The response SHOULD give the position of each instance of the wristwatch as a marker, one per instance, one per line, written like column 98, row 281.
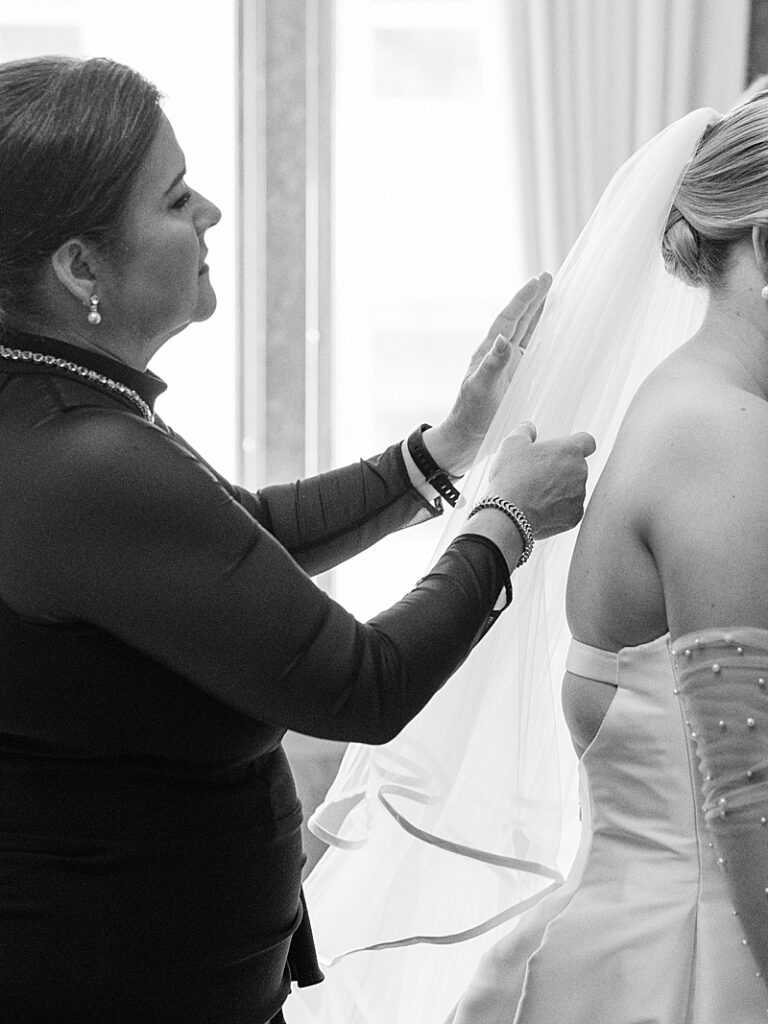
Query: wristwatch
column 434, row 475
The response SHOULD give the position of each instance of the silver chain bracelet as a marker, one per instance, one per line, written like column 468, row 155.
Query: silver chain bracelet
column 517, row 517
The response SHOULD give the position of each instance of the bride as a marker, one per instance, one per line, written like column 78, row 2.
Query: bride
column 666, row 909
column 663, row 918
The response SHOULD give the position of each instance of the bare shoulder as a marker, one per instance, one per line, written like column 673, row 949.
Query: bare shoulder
column 676, row 533
column 692, row 432
column 693, row 460
column 690, row 422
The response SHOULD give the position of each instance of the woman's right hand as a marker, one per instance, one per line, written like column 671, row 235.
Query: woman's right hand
column 546, row 480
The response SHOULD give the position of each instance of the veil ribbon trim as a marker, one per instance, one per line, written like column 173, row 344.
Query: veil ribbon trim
column 487, row 766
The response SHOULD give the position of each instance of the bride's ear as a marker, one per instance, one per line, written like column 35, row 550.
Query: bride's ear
column 760, row 249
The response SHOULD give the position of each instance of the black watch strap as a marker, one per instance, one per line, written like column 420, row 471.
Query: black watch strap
column 434, row 475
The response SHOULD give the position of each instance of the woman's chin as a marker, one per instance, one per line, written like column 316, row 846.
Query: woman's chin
column 206, row 301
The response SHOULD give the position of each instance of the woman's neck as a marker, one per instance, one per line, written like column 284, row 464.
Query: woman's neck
column 92, row 339
column 735, row 332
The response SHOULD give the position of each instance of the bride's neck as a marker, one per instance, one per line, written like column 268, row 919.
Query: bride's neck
column 735, row 331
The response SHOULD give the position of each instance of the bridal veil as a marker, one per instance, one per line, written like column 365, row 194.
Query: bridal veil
column 441, row 838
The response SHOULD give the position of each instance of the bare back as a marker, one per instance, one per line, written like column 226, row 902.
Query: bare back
column 675, row 537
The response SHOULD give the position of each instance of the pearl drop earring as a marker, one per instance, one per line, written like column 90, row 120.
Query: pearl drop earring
column 94, row 316
column 764, row 293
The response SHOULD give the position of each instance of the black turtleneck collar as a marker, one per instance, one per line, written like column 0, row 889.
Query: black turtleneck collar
column 145, row 383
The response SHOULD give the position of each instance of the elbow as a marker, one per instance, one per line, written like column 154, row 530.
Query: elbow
column 378, row 719
column 384, row 732
column 373, row 725
column 375, row 690
column 384, row 693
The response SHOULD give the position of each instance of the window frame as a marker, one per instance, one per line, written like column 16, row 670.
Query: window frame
column 285, row 266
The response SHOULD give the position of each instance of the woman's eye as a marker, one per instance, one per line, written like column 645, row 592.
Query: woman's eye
column 182, row 200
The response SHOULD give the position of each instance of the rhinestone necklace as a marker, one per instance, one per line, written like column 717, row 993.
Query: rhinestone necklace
column 24, row 356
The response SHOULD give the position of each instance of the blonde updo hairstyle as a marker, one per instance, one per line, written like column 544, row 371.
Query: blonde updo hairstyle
column 722, row 196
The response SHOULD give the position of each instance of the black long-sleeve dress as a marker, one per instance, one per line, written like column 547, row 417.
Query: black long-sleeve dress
column 158, row 634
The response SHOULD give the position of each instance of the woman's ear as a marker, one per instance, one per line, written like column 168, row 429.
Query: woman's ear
column 73, row 266
column 760, row 249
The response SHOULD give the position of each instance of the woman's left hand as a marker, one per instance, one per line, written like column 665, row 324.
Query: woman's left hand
column 455, row 442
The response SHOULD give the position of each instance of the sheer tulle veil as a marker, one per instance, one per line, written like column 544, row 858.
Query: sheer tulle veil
column 441, row 838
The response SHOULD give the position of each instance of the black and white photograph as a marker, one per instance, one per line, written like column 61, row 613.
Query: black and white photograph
column 383, row 511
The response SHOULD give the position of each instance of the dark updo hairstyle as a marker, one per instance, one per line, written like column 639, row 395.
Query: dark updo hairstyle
column 722, row 196
column 72, row 135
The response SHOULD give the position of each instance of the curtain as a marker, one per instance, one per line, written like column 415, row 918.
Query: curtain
column 592, row 80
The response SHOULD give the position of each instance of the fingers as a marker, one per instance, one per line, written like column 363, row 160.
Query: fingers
column 501, row 349
column 501, row 356
column 515, row 323
column 527, row 429
column 547, row 480
column 501, row 353
column 518, row 319
column 507, row 320
column 533, row 322
column 584, row 442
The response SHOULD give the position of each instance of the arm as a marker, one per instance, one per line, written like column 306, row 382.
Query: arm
column 135, row 536
column 324, row 520
column 719, row 675
column 708, row 538
column 328, row 519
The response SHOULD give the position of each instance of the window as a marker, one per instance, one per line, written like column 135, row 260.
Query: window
column 426, row 238
column 380, row 235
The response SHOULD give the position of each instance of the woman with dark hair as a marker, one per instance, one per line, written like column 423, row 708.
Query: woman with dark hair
column 158, row 627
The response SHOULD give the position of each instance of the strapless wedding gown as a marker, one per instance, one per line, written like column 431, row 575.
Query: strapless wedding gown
column 643, row 931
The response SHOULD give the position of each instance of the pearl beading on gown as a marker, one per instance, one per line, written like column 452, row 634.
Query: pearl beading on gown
column 721, row 686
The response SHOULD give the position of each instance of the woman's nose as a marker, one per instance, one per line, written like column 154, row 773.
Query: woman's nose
column 208, row 215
